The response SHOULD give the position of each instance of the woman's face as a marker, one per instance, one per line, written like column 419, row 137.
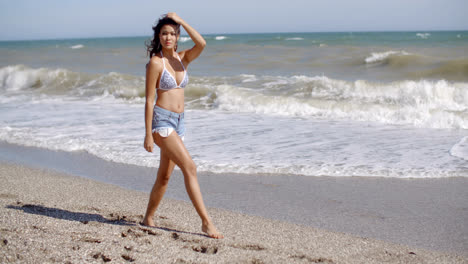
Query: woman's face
column 168, row 36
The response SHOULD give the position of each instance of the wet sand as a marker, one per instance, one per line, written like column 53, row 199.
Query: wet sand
column 48, row 216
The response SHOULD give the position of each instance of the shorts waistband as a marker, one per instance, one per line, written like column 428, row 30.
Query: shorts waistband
column 169, row 113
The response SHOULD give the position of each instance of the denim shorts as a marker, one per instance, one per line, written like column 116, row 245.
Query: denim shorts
column 165, row 122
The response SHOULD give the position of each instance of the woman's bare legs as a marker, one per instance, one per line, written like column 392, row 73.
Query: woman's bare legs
column 166, row 166
column 173, row 148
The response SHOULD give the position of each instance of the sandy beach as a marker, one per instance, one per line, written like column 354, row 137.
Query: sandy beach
column 317, row 138
column 49, row 216
column 422, row 213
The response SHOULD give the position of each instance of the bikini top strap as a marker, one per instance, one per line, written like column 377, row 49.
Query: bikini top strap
column 180, row 61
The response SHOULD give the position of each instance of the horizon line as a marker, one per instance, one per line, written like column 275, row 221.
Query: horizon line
column 239, row 33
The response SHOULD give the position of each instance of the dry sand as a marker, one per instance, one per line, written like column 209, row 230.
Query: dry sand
column 46, row 216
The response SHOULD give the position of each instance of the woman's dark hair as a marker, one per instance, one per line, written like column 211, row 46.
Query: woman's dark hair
column 154, row 46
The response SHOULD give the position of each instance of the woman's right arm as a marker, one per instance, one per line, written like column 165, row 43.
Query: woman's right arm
column 152, row 74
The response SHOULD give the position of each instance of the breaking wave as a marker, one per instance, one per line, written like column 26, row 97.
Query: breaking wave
column 423, row 103
column 434, row 104
column 43, row 81
column 382, row 57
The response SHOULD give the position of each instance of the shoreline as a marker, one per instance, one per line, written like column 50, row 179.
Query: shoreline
column 47, row 216
column 423, row 213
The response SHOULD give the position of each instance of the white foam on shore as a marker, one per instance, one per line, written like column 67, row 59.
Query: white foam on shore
column 224, row 142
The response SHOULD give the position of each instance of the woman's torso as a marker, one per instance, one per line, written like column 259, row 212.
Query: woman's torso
column 170, row 85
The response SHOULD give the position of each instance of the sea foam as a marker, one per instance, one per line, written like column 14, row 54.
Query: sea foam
column 79, row 46
column 184, row 39
column 434, row 104
column 423, row 103
column 423, row 35
column 45, row 81
column 225, row 142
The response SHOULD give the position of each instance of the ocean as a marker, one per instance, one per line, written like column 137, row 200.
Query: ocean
column 380, row 104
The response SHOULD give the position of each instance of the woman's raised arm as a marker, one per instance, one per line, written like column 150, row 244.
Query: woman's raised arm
column 200, row 43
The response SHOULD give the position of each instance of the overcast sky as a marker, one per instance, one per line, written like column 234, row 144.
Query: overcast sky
column 50, row 19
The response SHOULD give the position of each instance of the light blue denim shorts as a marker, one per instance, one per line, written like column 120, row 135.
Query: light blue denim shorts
column 165, row 122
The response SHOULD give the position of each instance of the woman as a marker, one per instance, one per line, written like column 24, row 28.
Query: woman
column 166, row 75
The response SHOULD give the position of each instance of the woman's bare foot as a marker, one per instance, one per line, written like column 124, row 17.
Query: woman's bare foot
column 148, row 221
column 211, row 231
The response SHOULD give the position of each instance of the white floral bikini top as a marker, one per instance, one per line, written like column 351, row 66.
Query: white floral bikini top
column 167, row 81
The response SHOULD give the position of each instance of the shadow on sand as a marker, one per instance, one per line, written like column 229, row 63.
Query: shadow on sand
column 69, row 215
column 84, row 218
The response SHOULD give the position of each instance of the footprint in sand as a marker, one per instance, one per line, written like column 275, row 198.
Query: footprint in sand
column 149, row 231
column 131, row 233
column 128, row 258
column 139, row 233
column 256, row 261
column 91, row 240
column 176, row 236
column 248, row 247
column 205, row 249
column 128, row 248
column 102, row 256
column 313, row 260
